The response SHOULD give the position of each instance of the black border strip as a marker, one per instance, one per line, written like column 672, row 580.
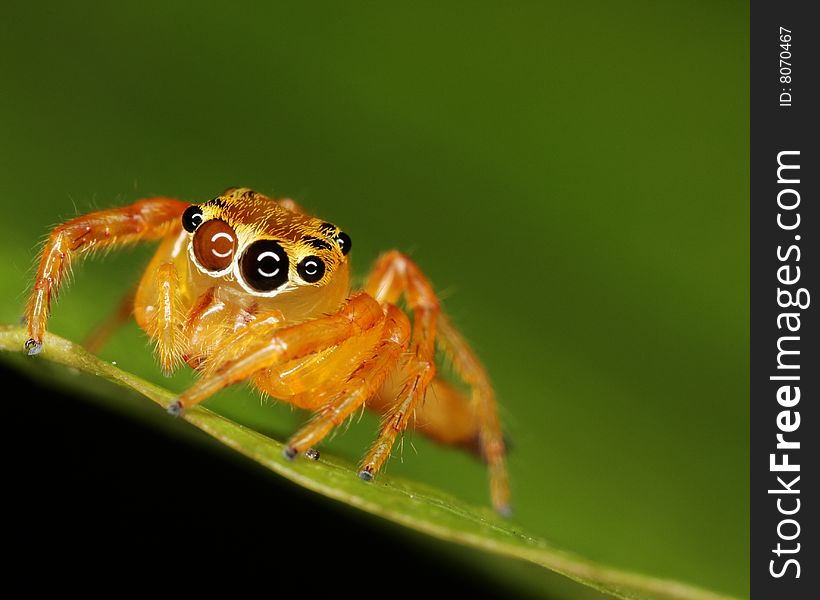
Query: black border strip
column 785, row 227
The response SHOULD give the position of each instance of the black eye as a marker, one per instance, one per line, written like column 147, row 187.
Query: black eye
column 191, row 218
column 311, row 269
column 344, row 241
column 265, row 265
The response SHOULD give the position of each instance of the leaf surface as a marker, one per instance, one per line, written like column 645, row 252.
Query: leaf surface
column 411, row 504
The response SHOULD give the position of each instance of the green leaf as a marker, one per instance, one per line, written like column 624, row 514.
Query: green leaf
column 411, row 504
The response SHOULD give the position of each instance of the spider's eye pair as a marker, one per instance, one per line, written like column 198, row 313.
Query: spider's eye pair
column 264, row 264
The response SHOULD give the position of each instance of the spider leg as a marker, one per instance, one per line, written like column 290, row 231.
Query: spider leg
column 363, row 383
column 266, row 344
column 418, row 371
column 239, row 343
column 100, row 335
column 446, row 416
column 144, row 220
column 165, row 325
column 393, row 275
column 491, row 437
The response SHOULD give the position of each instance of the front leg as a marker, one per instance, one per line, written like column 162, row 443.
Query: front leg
column 144, row 220
column 157, row 299
column 165, row 325
column 362, row 384
column 265, row 345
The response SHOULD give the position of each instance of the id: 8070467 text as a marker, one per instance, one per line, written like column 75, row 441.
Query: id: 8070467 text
column 785, row 67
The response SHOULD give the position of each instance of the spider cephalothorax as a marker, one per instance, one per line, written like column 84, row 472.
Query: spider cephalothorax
column 243, row 287
column 268, row 249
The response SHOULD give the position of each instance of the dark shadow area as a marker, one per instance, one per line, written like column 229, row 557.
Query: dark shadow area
column 95, row 493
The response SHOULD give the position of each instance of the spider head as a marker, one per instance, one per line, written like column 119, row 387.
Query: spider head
column 268, row 251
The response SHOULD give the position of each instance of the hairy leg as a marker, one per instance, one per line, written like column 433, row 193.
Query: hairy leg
column 100, row 335
column 144, row 220
column 491, row 437
column 165, row 325
column 266, row 344
column 446, row 417
column 363, row 383
column 395, row 274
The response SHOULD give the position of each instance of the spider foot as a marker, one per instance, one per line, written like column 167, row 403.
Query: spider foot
column 175, row 409
column 33, row 347
column 366, row 474
column 289, row 453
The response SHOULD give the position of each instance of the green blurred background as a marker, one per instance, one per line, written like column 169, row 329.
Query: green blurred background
column 573, row 178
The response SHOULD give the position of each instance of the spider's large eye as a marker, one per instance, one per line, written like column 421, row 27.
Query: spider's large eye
column 311, row 269
column 215, row 245
column 344, row 241
column 192, row 218
column 265, row 265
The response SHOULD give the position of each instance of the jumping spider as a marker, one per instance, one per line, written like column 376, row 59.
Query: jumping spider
column 243, row 287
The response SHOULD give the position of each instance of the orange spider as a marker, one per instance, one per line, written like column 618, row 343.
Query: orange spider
column 245, row 287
